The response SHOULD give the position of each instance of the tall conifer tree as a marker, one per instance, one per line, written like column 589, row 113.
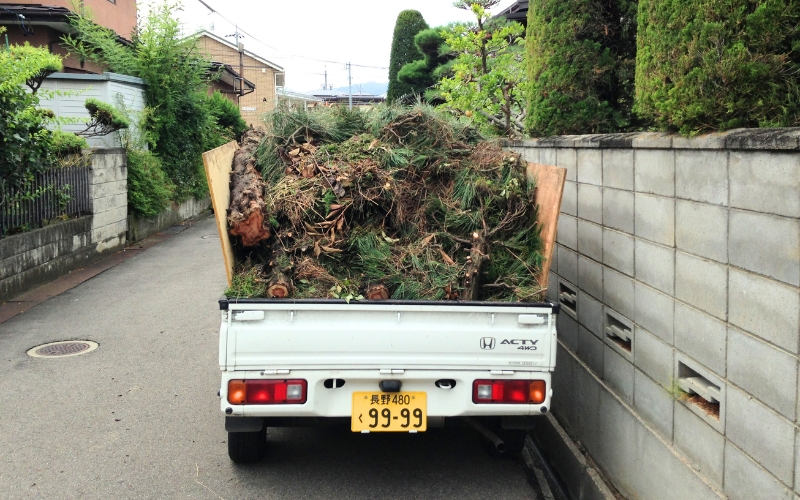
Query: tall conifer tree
column 409, row 23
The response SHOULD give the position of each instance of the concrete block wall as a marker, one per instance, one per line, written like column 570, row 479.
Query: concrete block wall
column 32, row 258
column 691, row 249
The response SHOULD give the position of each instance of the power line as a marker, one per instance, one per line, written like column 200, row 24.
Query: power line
column 279, row 50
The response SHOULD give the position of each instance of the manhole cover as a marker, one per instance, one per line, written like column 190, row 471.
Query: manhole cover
column 62, row 349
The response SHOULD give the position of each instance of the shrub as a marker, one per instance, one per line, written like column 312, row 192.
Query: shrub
column 580, row 65
column 227, row 115
column 427, row 71
column 718, row 64
column 409, row 23
column 66, row 143
column 149, row 189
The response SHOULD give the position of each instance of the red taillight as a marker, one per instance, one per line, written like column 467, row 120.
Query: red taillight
column 267, row 392
column 508, row 391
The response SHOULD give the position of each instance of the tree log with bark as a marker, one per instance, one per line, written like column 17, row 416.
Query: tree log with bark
column 247, row 216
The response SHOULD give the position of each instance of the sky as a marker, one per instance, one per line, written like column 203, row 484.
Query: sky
column 309, row 37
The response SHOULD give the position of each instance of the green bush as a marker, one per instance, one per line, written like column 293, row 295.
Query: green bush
column 66, row 143
column 227, row 115
column 149, row 189
column 422, row 73
column 409, row 23
column 580, row 65
column 717, row 64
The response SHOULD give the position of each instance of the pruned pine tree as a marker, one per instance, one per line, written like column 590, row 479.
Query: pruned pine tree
column 409, row 23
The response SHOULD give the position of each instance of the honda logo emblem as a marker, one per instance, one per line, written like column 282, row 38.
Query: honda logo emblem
column 487, row 343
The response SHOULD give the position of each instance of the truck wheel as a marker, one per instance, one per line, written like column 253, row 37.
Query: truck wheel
column 247, row 447
column 514, row 440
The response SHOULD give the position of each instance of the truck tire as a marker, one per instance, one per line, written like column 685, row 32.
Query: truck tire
column 247, row 447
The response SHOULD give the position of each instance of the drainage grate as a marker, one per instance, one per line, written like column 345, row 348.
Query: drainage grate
column 63, row 348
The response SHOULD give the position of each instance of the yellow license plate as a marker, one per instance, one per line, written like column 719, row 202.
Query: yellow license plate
column 389, row 412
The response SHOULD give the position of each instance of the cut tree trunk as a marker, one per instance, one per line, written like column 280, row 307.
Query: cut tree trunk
column 246, row 217
column 478, row 257
column 280, row 283
column 377, row 291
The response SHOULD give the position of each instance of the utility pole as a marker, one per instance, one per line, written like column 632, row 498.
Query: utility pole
column 350, row 83
column 325, row 85
column 240, row 48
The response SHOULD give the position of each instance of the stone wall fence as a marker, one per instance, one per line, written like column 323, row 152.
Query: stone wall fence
column 677, row 267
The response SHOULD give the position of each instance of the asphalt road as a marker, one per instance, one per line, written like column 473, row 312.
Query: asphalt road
column 139, row 417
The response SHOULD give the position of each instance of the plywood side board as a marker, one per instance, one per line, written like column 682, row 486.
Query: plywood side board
column 217, row 163
column 549, row 190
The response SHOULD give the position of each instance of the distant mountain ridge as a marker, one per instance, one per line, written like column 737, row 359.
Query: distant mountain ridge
column 371, row 88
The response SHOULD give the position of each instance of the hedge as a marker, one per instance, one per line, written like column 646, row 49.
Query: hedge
column 580, row 65
column 715, row 65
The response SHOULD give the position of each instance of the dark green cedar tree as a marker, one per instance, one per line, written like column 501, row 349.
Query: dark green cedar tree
column 409, row 23
column 713, row 65
column 580, row 66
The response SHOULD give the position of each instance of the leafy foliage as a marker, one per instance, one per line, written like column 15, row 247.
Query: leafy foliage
column 580, row 65
column 66, row 143
column 488, row 73
column 181, row 126
column 24, row 139
column 149, row 189
column 104, row 119
column 718, row 64
column 434, row 65
column 409, row 23
column 227, row 116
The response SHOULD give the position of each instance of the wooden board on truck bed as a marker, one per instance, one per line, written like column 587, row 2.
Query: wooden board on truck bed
column 549, row 189
column 217, row 163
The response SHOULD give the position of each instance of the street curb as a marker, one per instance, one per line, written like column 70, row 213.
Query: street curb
column 27, row 300
column 568, row 472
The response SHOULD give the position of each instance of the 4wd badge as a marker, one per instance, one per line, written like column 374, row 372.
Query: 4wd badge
column 487, row 343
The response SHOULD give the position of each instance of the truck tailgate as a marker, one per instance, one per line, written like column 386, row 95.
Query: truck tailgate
column 275, row 335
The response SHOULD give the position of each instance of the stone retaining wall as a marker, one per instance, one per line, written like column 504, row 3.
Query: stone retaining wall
column 677, row 265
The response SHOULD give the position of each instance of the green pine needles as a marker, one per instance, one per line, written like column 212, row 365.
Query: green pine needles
column 409, row 23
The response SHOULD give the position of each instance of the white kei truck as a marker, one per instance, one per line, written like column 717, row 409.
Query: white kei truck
column 384, row 366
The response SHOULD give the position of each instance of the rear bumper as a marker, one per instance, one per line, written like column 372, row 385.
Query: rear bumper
column 337, row 402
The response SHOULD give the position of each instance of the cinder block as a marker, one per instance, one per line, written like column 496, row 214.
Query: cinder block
column 766, row 244
column 797, row 464
column 554, row 259
column 618, row 374
column 702, row 229
column 702, row 176
column 590, row 240
column 113, row 216
column 688, row 367
column 590, row 166
column 590, row 314
column 655, row 312
column 590, row 203
column 618, row 292
column 567, row 231
column 703, row 445
column 567, row 158
column 655, row 171
column 764, row 307
column 590, row 350
column 618, row 168
column 618, row 209
column 110, row 202
column 567, row 331
column 654, row 357
column 565, row 395
column 767, row 373
column 105, row 233
column 618, row 251
column 569, row 200
column 568, row 264
column 106, row 189
column 653, row 403
column 587, row 418
column 547, row 156
column 655, row 265
column 530, row 155
column 702, row 283
column 552, row 288
column 590, row 277
column 654, row 218
column 701, row 337
column 761, row 433
column 766, row 182
column 745, row 480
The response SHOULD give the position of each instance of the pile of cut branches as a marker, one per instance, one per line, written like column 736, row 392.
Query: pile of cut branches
column 401, row 203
